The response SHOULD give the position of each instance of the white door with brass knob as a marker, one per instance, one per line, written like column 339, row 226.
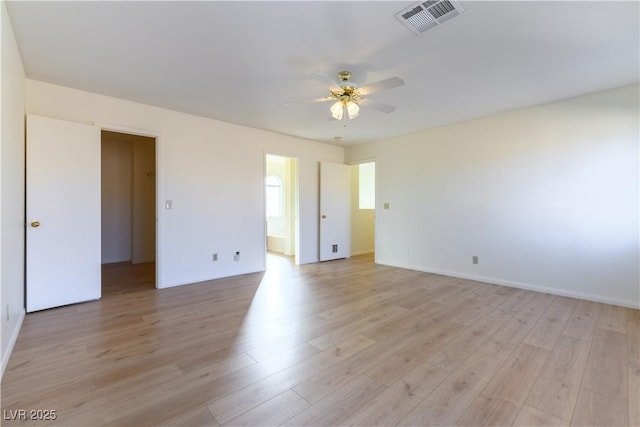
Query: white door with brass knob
column 63, row 213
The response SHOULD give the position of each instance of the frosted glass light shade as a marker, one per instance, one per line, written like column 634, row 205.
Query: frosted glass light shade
column 352, row 110
column 337, row 110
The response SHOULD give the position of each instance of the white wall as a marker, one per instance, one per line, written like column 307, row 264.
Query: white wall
column 547, row 198
column 362, row 220
column 214, row 174
column 11, row 188
column 116, row 200
column 143, row 215
column 290, row 205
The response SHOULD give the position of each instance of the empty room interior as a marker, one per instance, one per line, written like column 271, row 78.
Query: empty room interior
column 320, row 213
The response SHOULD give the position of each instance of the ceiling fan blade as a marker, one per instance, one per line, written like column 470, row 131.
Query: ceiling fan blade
column 309, row 101
column 328, row 81
column 381, row 85
column 385, row 108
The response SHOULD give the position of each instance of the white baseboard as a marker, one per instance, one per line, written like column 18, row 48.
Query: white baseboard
column 195, row 280
column 113, row 260
column 519, row 285
column 365, row 252
column 12, row 343
column 142, row 260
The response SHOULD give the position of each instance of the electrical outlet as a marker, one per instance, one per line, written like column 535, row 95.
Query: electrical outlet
column 474, row 259
column 214, row 257
column 236, row 257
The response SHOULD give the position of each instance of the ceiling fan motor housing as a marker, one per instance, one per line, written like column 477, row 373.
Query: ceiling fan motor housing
column 344, row 76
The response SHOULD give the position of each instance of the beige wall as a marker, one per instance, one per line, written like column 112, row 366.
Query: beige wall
column 12, row 89
column 290, row 206
column 547, row 197
column 143, row 245
column 116, row 200
column 362, row 220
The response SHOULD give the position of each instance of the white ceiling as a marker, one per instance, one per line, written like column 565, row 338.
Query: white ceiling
column 241, row 61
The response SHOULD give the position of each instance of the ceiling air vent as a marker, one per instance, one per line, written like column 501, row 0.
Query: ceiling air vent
column 427, row 15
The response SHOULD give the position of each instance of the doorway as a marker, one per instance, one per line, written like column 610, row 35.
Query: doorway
column 363, row 204
column 128, row 207
column 281, row 207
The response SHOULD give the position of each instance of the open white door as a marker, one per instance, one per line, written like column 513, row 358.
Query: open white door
column 335, row 226
column 63, row 213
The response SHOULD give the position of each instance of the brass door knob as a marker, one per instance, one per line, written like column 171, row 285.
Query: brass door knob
column 35, row 224
column 324, row 217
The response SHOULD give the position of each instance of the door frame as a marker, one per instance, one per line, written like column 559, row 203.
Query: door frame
column 156, row 136
column 266, row 153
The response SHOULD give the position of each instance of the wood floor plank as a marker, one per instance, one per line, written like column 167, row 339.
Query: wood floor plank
column 567, row 361
column 488, row 411
column 454, row 354
column 192, row 418
column 407, row 357
column 333, row 409
column 386, row 409
column 234, row 404
column 514, row 380
column 423, row 379
column 553, row 397
column 634, row 399
column 450, row 399
column 553, row 321
column 613, row 317
column 633, row 342
column 597, row 410
column 607, row 371
column 504, row 341
column 349, row 308
column 323, row 383
column 530, row 417
column 583, row 320
column 327, row 340
column 273, row 412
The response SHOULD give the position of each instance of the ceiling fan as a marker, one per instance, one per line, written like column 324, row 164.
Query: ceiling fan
column 349, row 97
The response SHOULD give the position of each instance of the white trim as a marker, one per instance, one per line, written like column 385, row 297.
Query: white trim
column 357, row 162
column 124, row 129
column 519, row 285
column 365, row 252
column 142, row 260
column 208, row 278
column 12, row 343
column 114, row 260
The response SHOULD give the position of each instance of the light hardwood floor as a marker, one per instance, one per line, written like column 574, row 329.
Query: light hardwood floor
column 345, row 342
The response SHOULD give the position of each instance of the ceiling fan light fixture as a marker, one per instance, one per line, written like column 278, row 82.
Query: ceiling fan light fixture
column 337, row 110
column 352, row 110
